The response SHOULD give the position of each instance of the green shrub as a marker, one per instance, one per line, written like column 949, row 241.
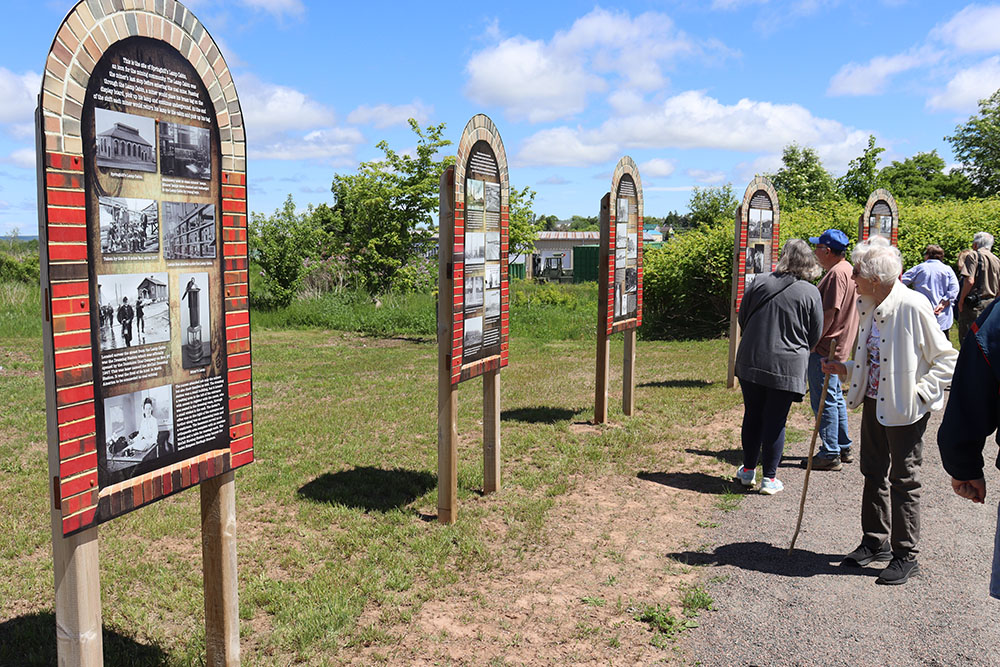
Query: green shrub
column 20, row 268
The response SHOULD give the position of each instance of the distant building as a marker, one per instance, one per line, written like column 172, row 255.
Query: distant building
column 561, row 244
column 151, row 288
column 122, row 146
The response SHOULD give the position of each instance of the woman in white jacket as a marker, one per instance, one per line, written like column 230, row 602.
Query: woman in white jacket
column 902, row 364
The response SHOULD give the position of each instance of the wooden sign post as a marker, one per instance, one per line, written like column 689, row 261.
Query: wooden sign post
column 755, row 251
column 619, row 282
column 473, row 298
column 881, row 217
column 142, row 231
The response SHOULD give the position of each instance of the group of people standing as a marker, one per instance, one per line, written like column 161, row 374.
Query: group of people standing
column 863, row 338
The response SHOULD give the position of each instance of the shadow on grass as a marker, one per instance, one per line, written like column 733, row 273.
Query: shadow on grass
column 693, row 481
column 539, row 414
column 369, row 489
column 769, row 559
column 682, row 384
column 731, row 456
column 31, row 640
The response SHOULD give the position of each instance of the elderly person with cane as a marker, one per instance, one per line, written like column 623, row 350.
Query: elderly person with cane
column 902, row 364
column 782, row 319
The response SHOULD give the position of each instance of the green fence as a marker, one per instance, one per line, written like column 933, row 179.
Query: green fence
column 585, row 259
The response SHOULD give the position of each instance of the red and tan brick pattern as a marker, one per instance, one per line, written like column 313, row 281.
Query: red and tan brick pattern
column 87, row 32
column 742, row 224
column 864, row 228
column 625, row 166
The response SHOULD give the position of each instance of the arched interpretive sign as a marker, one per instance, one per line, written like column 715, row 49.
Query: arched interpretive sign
column 881, row 217
column 142, row 223
column 620, row 281
column 755, row 250
column 473, row 301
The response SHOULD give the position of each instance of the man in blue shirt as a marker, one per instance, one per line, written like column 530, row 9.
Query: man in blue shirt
column 935, row 280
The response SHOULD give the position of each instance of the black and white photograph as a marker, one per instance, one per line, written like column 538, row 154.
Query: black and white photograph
column 491, row 275
column 493, row 303
column 188, row 230
column 492, row 246
column 621, row 214
column 766, row 224
column 631, row 303
column 492, row 196
column 621, row 257
column 196, row 328
column 633, row 246
column 124, row 141
column 138, row 427
column 128, row 226
column 753, row 224
column 885, row 225
column 748, row 281
column 474, row 194
column 473, row 291
column 631, row 280
column 621, row 235
column 755, row 258
column 185, row 151
column 475, row 247
column 619, row 275
column 134, row 309
column 618, row 299
column 473, row 332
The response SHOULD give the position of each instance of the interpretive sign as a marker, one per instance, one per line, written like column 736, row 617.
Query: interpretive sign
column 473, row 320
column 620, row 280
column 755, row 250
column 142, row 223
column 881, row 217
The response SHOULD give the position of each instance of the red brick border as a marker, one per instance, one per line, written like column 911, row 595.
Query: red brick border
column 864, row 229
column 740, row 247
column 625, row 166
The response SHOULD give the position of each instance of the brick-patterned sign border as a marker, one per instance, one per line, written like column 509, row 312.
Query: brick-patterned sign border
column 864, row 229
column 87, row 32
column 479, row 128
column 742, row 225
column 626, row 165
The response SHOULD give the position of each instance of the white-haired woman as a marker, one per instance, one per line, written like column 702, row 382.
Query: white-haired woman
column 781, row 318
column 902, row 364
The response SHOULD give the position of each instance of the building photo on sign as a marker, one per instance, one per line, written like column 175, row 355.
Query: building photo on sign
column 124, row 141
column 188, row 230
column 128, row 226
column 184, row 151
column 134, row 309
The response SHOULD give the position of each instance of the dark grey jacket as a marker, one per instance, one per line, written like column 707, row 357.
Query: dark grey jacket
column 782, row 319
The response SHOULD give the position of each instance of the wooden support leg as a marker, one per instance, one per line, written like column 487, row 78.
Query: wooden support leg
column 218, row 548
column 628, row 374
column 447, row 450
column 601, row 381
column 78, row 596
column 491, row 431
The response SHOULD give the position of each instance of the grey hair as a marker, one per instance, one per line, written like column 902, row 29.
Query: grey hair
column 797, row 259
column 983, row 240
column 877, row 260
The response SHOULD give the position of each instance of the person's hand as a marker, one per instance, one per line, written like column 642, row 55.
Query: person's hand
column 939, row 309
column 973, row 489
column 831, row 367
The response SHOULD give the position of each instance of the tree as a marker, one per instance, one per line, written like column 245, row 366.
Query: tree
column 922, row 178
column 381, row 215
column 802, row 180
column 547, row 223
column 579, row 223
column 976, row 144
column 522, row 229
column 862, row 175
column 280, row 244
column 708, row 205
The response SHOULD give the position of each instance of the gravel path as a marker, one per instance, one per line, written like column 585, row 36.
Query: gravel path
column 804, row 609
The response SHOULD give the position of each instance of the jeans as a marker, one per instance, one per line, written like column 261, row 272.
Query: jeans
column 833, row 421
column 764, row 413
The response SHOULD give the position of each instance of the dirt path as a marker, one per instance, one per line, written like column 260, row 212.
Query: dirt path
column 772, row 609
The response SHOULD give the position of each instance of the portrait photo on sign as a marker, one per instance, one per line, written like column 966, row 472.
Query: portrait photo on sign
column 124, row 141
column 473, row 332
column 492, row 196
column 493, row 303
column 492, row 246
column 134, row 309
column 885, row 226
column 128, row 226
column 621, row 213
column 196, row 328
column 755, row 258
column 621, row 235
column 631, row 280
column 474, row 193
column 618, row 299
column 138, row 428
column 753, row 223
column 473, row 291
column 185, row 151
column 475, row 247
column 188, row 230
column 766, row 224
column 633, row 246
column 492, row 276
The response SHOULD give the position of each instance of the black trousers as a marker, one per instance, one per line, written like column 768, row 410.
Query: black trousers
column 765, row 411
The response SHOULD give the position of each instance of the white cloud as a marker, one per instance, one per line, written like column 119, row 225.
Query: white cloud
column 553, row 180
column 564, row 146
column 386, row 115
column 668, row 188
column 18, row 96
column 872, row 77
column 22, row 157
column 968, row 86
column 277, row 7
column 706, row 176
column 657, row 167
column 975, row 28
column 270, row 109
column 333, row 144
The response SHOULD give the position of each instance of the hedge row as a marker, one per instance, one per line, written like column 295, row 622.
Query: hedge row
column 687, row 283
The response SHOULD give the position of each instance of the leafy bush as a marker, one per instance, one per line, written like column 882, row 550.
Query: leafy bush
column 19, row 268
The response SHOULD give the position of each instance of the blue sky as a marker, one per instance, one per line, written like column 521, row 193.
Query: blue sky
column 698, row 92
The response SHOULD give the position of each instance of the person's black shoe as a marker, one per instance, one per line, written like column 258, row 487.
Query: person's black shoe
column 846, row 456
column 821, row 462
column 898, row 572
column 865, row 554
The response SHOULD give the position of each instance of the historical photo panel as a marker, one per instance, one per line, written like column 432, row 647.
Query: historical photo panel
column 128, row 226
column 757, row 257
column 185, row 151
column 626, row 249
column 196, row 347
column 139, row 428
column 134, row 309
column 124, row 141
column 188, row 230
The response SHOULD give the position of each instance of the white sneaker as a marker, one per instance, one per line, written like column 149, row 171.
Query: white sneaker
column 746, row 477
column 770, row 486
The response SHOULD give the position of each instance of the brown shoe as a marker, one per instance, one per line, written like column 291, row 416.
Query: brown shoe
column 820, row 462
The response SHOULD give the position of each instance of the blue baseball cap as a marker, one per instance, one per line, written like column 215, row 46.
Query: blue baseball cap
column 834, row 239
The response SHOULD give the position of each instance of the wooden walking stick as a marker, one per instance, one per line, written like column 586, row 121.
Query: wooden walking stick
column 812, row 450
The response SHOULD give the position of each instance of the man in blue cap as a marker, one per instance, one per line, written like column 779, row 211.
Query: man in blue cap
column 840, row 324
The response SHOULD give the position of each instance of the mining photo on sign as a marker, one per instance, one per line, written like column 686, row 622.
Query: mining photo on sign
column 128, row 226
column 124, row 141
